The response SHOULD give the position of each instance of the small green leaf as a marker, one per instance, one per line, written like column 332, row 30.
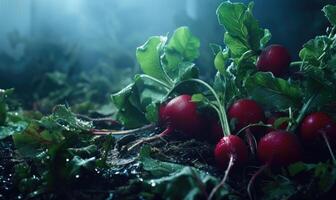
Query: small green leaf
column 279, row 188
column 63, row 118
column 186, row 44
column 299, row 167
column 215, row 48
column 220, row 61
column 156, row 167
column 279, row 121
column 148, row 55
column 313, row 49
column 12, row 128
column 152, row 112
column 231, row 16
column 187, row 71
column 235, row 44
column 183, row 47
column 266, row 38
column 127, row 101
column 330, row 13
column 77, row 163
column 198, row 97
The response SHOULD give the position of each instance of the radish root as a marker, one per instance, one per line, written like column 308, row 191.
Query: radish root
column 253, row 179
column 122, row 132
column 221, row 184
column 167, row 131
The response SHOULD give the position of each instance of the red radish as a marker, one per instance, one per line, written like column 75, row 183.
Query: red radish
column 279, row 148
column 319, row 125
column 178, row 114
column 315, row 124
column 274, row 58
column 216, row 132
column 230, row 146
column 181, row 114
column 246, row 112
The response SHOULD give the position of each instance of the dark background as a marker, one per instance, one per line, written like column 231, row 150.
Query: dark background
column 38, row 37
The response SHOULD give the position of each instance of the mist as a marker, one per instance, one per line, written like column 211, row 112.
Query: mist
column 114, row 28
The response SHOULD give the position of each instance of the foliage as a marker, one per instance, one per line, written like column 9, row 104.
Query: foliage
column 60, row 155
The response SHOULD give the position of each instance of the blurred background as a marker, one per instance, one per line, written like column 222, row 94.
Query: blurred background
column 79, row 51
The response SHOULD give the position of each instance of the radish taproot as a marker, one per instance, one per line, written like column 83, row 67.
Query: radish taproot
column 274, row 58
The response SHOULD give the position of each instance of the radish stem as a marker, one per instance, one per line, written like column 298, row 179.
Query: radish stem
column 222, row 114
column 251, row 141
column 157, row 81
column 226, row 174
column 326, row 140
column 253, row 125
column 302, row 113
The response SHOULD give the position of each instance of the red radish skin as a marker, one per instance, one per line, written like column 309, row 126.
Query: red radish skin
column 314, row 125
column 279, row 148
column 181, row 114
column 216, row 132
column 274, row 58
column 229, row 146
column 246, row 111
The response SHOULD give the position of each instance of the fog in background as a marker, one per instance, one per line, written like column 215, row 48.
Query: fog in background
column 114, row 28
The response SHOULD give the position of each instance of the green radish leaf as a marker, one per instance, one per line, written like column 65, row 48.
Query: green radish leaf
column 313, row 49
column 236, row 46
column 242, row 29
column 77, row 163
column 278, row 187
column 299, row 167
column 187, row 71
column 255, row 33
column 183, row 47
column 148, row 56
column 221, row 61
column 184, row 43
column 279, row 121
column 266, row 38
column 232, row 16
column 175, row 181
column 198, row 97
column 152, row 112
column 13, row 128
column 137, row 102
column 156, row 167
column 330, row 13
column 273, row 93
column 63, row 119
column 215, row 48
